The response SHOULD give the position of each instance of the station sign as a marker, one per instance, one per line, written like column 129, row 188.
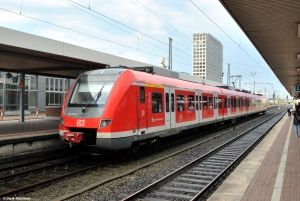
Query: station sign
column 15, row 79
column 296, row 87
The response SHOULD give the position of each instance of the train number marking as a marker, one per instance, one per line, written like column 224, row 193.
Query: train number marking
column 143, row 112
column 80, row 122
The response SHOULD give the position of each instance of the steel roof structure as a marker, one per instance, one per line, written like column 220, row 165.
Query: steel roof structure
column 272, row 27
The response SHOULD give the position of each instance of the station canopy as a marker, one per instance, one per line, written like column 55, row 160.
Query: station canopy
column 273, row 27
column 31, row 54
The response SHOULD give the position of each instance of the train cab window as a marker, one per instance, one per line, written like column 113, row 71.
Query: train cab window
column 142, row 94
column 210, row 102
column 197, row 103
column 167, row 102
column 172, row 102
column 156, row 102
column 205, row 104
column 180, row 103
column 225, row 102
column 220, row 102
column 191, row 102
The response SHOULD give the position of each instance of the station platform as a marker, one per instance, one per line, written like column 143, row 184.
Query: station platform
column 270, row 172
column 32, row 126
column 28, row 141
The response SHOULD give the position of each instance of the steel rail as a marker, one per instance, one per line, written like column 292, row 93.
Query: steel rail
column 176, row 172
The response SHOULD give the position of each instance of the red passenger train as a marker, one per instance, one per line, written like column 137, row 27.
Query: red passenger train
column 119, row 108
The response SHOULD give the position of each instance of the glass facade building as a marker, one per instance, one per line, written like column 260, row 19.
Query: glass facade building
column 207, row 57
column 40, row 91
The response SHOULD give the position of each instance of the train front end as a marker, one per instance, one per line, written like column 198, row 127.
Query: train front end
column 83, row 114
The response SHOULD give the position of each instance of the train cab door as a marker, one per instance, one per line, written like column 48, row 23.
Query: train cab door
column 169, row 107
column 142, row 100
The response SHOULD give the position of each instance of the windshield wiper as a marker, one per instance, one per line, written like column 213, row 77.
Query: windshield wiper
column 98, row 96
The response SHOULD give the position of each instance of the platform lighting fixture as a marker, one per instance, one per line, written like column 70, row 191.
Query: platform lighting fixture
column 8, row 75
column 298, row 69
column 297, row 55
column 297, row 29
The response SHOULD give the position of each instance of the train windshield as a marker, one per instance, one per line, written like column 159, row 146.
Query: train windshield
column 92, row 90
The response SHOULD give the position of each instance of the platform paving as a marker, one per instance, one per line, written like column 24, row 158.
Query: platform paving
column 10, row 125
column 270, row 172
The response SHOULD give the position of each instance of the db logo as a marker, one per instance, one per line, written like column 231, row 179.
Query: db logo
column 80, row 122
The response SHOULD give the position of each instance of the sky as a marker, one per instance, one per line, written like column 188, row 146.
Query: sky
column 140, row 30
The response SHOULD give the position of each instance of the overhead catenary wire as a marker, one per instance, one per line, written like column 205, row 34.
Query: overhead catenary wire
column 76, row 31
column 164, row 20
column 50, row 23
column 228, row 36
column 121, row 23
column 123, row 29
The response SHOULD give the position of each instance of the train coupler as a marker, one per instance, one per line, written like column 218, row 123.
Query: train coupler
column 73, row 137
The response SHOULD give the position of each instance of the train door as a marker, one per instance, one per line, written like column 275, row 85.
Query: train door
column 142, row 99
column 167, row 100
column 169, row 109
column 216, row 106
column 220, row 106
column 198, row 106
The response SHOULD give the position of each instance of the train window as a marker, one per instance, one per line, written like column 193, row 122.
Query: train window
column 142, row 94
column 197, row 103
column 180, row 103
column 167, row 102
column 235, row 103
column 210, row 102
column 220, row 102
column 172, row 102
column 214, row 102
column 228, row 101
column 205, row 104
column 232, row 102
column 156, row 102
column 200, row 102
column 191, row 102
column 225, row 102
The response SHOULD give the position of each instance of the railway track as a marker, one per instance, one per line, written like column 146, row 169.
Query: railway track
column 100, row 182
column 25, row 181
column 195, row 180
column 19, row 184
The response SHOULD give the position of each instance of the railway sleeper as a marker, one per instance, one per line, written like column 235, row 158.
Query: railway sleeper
column 224, row 160
column 195, row 186
column 205, row 173
column 171, row 195
column 212, row 166
column 215, row 163
column 193, row 180
column 204, row 169
column 179, row 189
column 198, row 176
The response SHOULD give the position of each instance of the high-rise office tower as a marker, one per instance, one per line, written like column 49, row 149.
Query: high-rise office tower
column 207, row 57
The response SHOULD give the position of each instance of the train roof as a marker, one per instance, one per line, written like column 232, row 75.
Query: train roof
column 161, row 76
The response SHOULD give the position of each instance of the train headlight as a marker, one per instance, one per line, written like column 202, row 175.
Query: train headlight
column 104, row 123
column 61, row 121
